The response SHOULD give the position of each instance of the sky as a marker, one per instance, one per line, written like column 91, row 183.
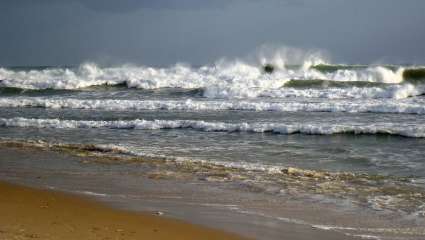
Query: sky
column 164, row 32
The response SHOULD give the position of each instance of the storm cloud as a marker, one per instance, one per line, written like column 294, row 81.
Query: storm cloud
column 126, row 5
column 163, row 32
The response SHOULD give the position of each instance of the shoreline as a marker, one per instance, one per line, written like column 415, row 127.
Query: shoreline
column 29, row 213
column 130, row 186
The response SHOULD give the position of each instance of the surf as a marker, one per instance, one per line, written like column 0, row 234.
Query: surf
column 350, row 106
column 236, row 78
column 405, row 130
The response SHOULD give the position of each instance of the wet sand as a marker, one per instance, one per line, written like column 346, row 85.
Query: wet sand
column 124, row 191
column 28, row 213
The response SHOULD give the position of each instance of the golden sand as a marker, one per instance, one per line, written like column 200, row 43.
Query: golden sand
column 27, row 213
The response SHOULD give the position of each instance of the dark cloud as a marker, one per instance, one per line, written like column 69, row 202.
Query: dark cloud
column 128, row 5
column 125, row 5
column 162, row 32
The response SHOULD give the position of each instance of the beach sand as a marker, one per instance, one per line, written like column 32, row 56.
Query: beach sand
column 28, row 213
column 75, row 197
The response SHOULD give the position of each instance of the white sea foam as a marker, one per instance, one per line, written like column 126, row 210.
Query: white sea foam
column 224, row 79
column 371, row 74
column 92, row 193
column 407, row 106
column 406, row 130
column 393, row 91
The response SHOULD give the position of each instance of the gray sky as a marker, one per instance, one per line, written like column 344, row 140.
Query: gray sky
column 163, row 32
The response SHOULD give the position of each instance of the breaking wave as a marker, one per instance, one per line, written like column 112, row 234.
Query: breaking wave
column 406, row 130
column 371, row 106
column 399, row 91
column 223, row 79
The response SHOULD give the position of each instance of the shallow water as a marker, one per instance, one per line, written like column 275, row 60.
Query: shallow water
column 234, row 206
column 367, row 121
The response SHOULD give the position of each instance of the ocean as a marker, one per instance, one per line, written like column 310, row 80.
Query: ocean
column 353, row 135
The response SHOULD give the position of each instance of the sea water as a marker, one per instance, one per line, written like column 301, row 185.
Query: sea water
column 360, row 128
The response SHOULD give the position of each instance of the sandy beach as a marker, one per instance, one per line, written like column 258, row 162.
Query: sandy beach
column 43, row 196
column 28, row 213
column 213, row 119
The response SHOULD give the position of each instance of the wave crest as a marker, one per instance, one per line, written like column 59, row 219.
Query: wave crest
column 240, row 78
column 405, row 130
column 373, row 106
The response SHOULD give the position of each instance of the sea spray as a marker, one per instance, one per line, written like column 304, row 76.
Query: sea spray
column 238, row 78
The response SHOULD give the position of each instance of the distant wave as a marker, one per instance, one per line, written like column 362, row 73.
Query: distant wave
column 12, row 91
column 293, row 88
column 399, row 91
column 16, row 92
column 231, row 79
column 336, row 67
column 414, row 75
column 417, row 131
column 322, row 83
column 373, row 106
